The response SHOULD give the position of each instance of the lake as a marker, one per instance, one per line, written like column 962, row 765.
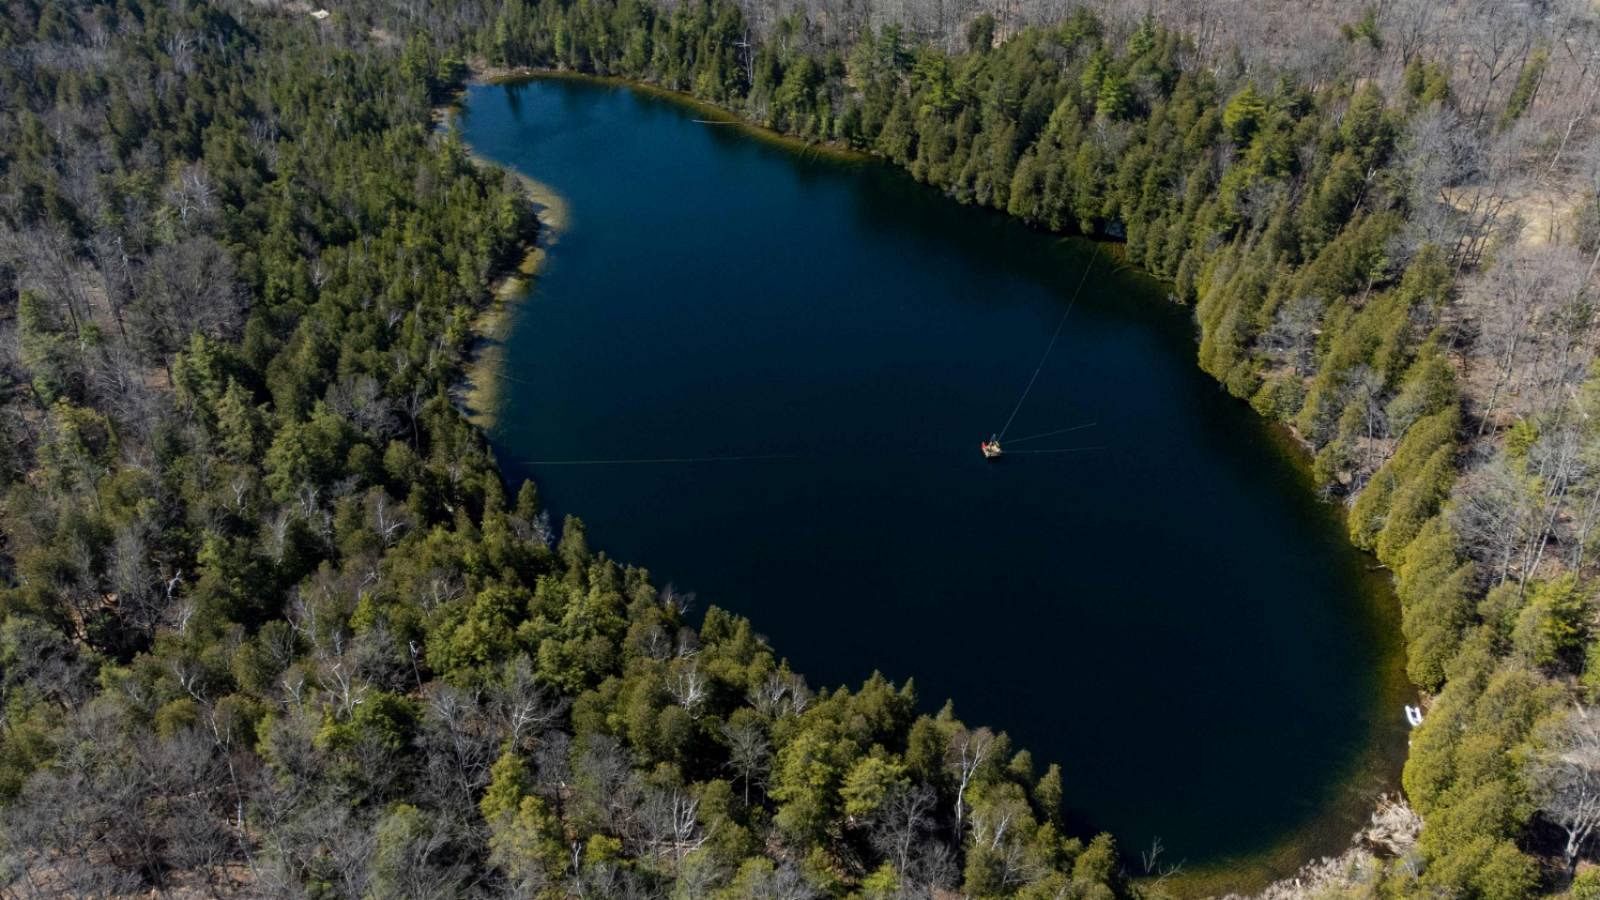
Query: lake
column 809, row 352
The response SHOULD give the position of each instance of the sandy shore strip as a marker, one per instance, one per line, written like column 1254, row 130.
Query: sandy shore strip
column 478, row 394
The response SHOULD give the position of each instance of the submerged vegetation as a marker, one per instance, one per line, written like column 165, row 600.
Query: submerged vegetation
column 272, row 623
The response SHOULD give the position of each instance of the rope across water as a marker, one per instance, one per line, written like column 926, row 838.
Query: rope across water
column 1046, row 434
column 659, row 460
column 1052, row 345
column 756, row 457
column 759, row 457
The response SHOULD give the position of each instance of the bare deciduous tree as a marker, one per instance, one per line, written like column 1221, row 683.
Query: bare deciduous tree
column 1566, row 779
column 670, row 820
column 783, row 694
column 189, row 287
column 968, row 751
column 902, row 822
column 524, row 708
column 749, row 753
column 1293, row 333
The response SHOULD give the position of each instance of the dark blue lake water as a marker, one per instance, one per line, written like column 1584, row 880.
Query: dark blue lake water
column 1171, row 615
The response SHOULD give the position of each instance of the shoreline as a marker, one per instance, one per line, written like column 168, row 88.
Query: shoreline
column 714, row 114
column 1355, row 825
column 1353, row 802
column 477, row 392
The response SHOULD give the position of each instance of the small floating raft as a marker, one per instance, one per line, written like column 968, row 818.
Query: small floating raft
column 991, row 448
column 1413, row 715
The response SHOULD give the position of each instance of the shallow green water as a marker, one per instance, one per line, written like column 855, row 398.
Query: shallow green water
column 1171, row 615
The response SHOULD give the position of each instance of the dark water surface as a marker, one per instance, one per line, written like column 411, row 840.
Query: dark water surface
column 1173, row 617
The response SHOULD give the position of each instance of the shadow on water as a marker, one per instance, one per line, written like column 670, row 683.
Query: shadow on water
column 1177, row 618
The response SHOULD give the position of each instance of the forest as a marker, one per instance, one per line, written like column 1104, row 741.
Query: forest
column 272, row 624
column 1390, row 247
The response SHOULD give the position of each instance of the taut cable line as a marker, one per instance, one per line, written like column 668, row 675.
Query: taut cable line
column 991, row 448
column 1046, row 434
column 757, row 457
column 1062, row 450
column 660, row 460
column 1052, row 345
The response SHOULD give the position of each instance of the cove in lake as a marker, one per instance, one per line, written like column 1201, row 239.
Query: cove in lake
column 1173, row 616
